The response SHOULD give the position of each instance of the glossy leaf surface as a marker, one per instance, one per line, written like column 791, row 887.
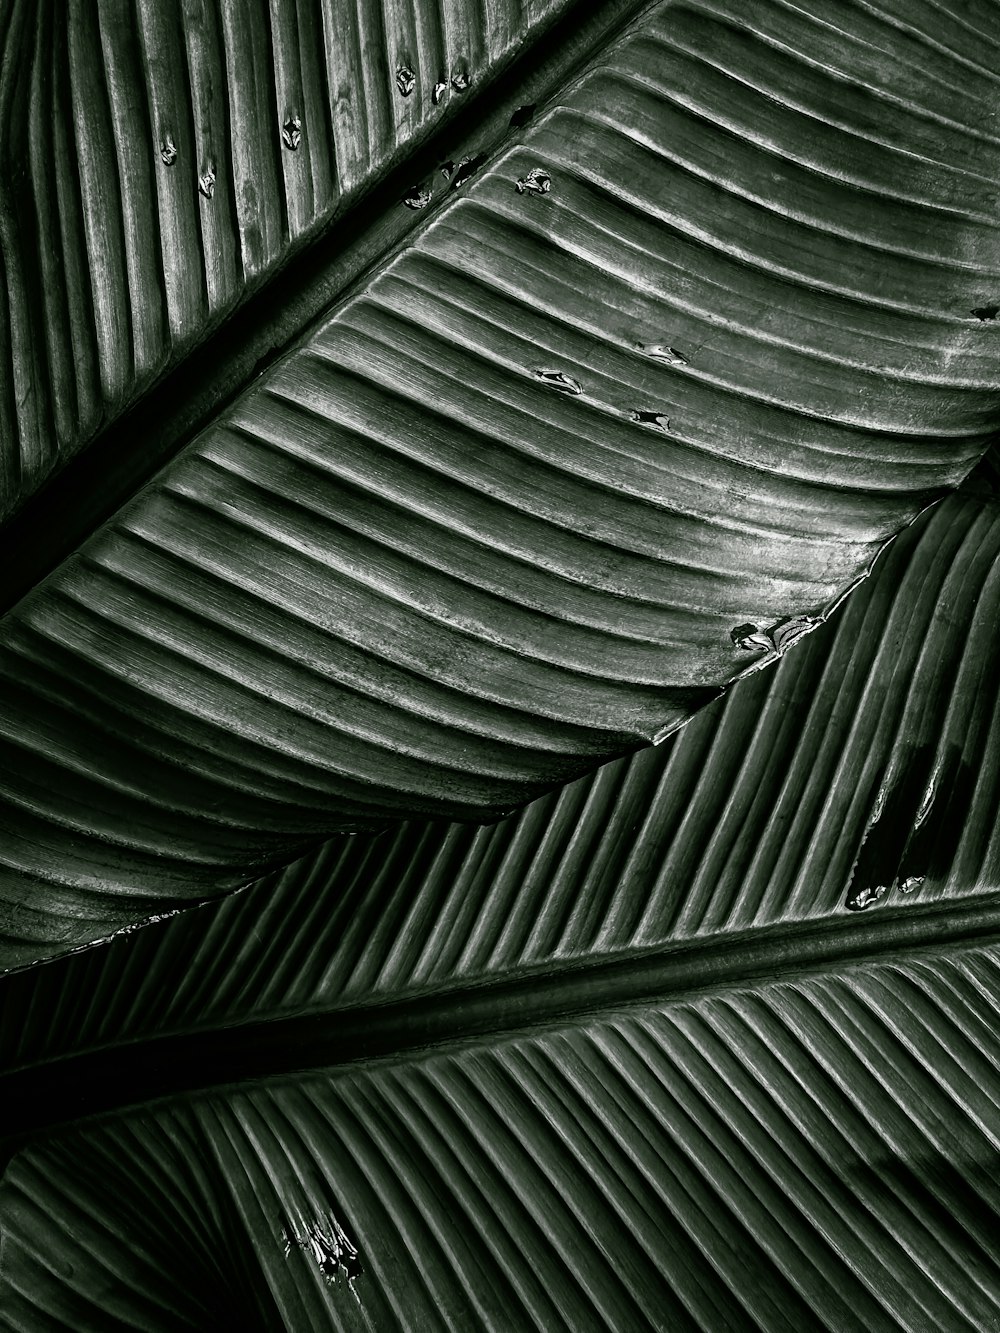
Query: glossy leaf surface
column 160, row 161
column 555, row 471
column 635, row 1033
column 591, row 419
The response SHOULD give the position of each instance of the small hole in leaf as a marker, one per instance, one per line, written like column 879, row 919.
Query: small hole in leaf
column 206, row 183
column 866, row 897
column 986, row 312
column 291, row 133
column 466, row 169
column 894, row 848
column 406, row 80
column 522, row 116
column 168, row 151
column 664, row 353
column 749, row 638
column 325, row 1241
column 786, row 632
column 537, row 181
column 555, row 379
column 658, row 420
column 417, row 197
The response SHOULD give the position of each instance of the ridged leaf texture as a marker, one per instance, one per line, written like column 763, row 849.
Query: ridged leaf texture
column 750, row 1160
column 623, row 416
column 626, row 1060
column 404, row 410
column 161, row 160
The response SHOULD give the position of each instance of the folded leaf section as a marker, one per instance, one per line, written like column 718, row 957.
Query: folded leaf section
column 862, row 771
column 159, row 162
column 818, row 1153
column 570, row 461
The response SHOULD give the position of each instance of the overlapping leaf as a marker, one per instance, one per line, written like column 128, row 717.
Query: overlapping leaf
column 772, row 1158
column 625, row 1060
column 159, row 161
column 866, row 757
column 629, row 412
column 646, row 391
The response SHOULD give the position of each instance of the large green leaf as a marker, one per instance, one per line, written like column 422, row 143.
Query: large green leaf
column 160, row 160
column 626, row 1060
column 752, row 817
column 770, row 1158
column 597, row 423
column 622, row 417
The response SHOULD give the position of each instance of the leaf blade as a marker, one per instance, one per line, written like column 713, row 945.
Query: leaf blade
column 140, row 252
column 570, row 583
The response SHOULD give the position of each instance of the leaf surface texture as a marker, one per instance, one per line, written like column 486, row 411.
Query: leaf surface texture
column 624, row 1060
column 559, row 468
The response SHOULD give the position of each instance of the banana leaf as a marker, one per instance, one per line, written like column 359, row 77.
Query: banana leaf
column 646, row 388
column 709, row 1039
column 405, row 410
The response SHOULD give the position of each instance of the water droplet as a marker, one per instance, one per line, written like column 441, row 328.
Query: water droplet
column 986, row 312
column 291, row 133
column 664, row 353
column 417, row 197
column 447, row 168
column 168, row 151
column 460, row 80
column 206, row 183
column 522, row 116
column 910, row 883
column 657, row 420
column 537, row 181
column 406, row 80
column 440, row 88
column 555, row 379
